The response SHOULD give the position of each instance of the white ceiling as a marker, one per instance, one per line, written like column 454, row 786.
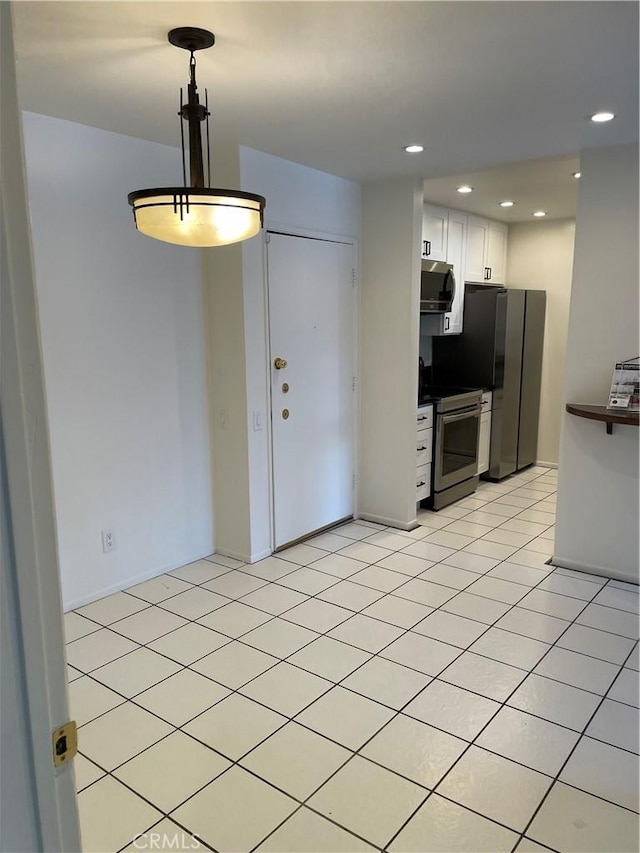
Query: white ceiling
column 343, row 86
column 546, row 185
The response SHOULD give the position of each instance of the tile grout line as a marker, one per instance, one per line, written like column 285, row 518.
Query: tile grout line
column 346, row 676
column 290, row 719
column 473, row 743
column 556, row 779
column 333, row 683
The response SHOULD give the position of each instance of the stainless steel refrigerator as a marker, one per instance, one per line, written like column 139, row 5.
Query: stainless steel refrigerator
column 500, row 350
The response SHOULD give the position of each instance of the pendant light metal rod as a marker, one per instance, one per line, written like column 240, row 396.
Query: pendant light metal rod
column 207, row 113
column 184, row 161
column 194, row 113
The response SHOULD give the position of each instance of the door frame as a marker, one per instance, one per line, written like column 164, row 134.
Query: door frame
column 304, row 233
column 33, row 559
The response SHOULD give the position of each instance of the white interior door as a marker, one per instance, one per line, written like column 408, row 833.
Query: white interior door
column 311, row 318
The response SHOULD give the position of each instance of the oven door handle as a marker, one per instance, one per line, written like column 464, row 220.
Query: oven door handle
column 472, row 411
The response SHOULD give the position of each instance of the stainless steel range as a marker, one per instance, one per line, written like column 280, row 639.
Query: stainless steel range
column 457, row 431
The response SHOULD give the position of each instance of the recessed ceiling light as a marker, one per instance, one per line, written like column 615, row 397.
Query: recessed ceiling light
column 600, row 117
column 577, row 174
column 413, row 149
column 540, row 213
column 464, row 189
column 507, row 203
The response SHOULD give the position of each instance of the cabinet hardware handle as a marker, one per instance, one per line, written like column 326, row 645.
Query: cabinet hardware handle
column 422, row 448
column 446, row 323
column 423, row 419
column 421, row 484
column 427, row 247
column 486, row 273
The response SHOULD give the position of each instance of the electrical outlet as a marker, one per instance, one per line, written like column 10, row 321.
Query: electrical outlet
column 108, row 541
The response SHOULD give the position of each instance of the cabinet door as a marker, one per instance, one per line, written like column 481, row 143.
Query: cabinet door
column 497, row 252
column 456, row 249
column 423, row 482
column 484, row 442
column 477, row 239
column 435, row 222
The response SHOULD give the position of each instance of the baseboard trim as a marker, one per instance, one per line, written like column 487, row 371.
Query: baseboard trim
column 125, row 584
column 563, row 563
column 544, row 464
column 244, row 558
column 261, row 555
column 388, row 522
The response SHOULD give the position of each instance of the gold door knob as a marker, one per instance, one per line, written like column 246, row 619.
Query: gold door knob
column 285, row 414
column 279, row 363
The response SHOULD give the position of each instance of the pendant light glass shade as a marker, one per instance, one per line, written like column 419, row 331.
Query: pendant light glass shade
column 197, row 215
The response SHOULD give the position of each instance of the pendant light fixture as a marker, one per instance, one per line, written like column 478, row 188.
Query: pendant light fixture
column 196, row 215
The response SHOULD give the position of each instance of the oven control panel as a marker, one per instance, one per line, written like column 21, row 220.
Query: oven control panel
column 424, row 451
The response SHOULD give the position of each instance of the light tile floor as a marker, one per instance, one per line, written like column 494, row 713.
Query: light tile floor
column 437, row 690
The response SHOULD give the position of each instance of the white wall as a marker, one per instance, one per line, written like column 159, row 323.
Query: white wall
column 391, row 232
column 225, row 333
column 125, row 368
column 541, row 258
column 300, row 200
column 597, row 515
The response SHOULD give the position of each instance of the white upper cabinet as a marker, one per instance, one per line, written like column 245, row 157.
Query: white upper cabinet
column 456, row 252
column 477, row 249
column 497, row 252
column 477, row 242
column 449, row 230
column 486, row 250
column 435, row 224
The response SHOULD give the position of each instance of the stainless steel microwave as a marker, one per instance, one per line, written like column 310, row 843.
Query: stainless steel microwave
column 437, row 287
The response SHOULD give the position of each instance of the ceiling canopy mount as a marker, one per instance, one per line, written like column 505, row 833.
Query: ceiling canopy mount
column 191, row 38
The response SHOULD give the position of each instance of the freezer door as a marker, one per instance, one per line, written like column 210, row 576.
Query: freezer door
column 503, row 457
column 535, row 303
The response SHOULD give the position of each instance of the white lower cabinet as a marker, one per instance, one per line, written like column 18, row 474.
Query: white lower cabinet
column 424, row 449
column 484, row 442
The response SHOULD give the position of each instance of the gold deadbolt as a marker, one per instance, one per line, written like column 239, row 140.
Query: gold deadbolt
column 279, row 363
column 285, row 414
column 285, row 387
column 65, row 743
